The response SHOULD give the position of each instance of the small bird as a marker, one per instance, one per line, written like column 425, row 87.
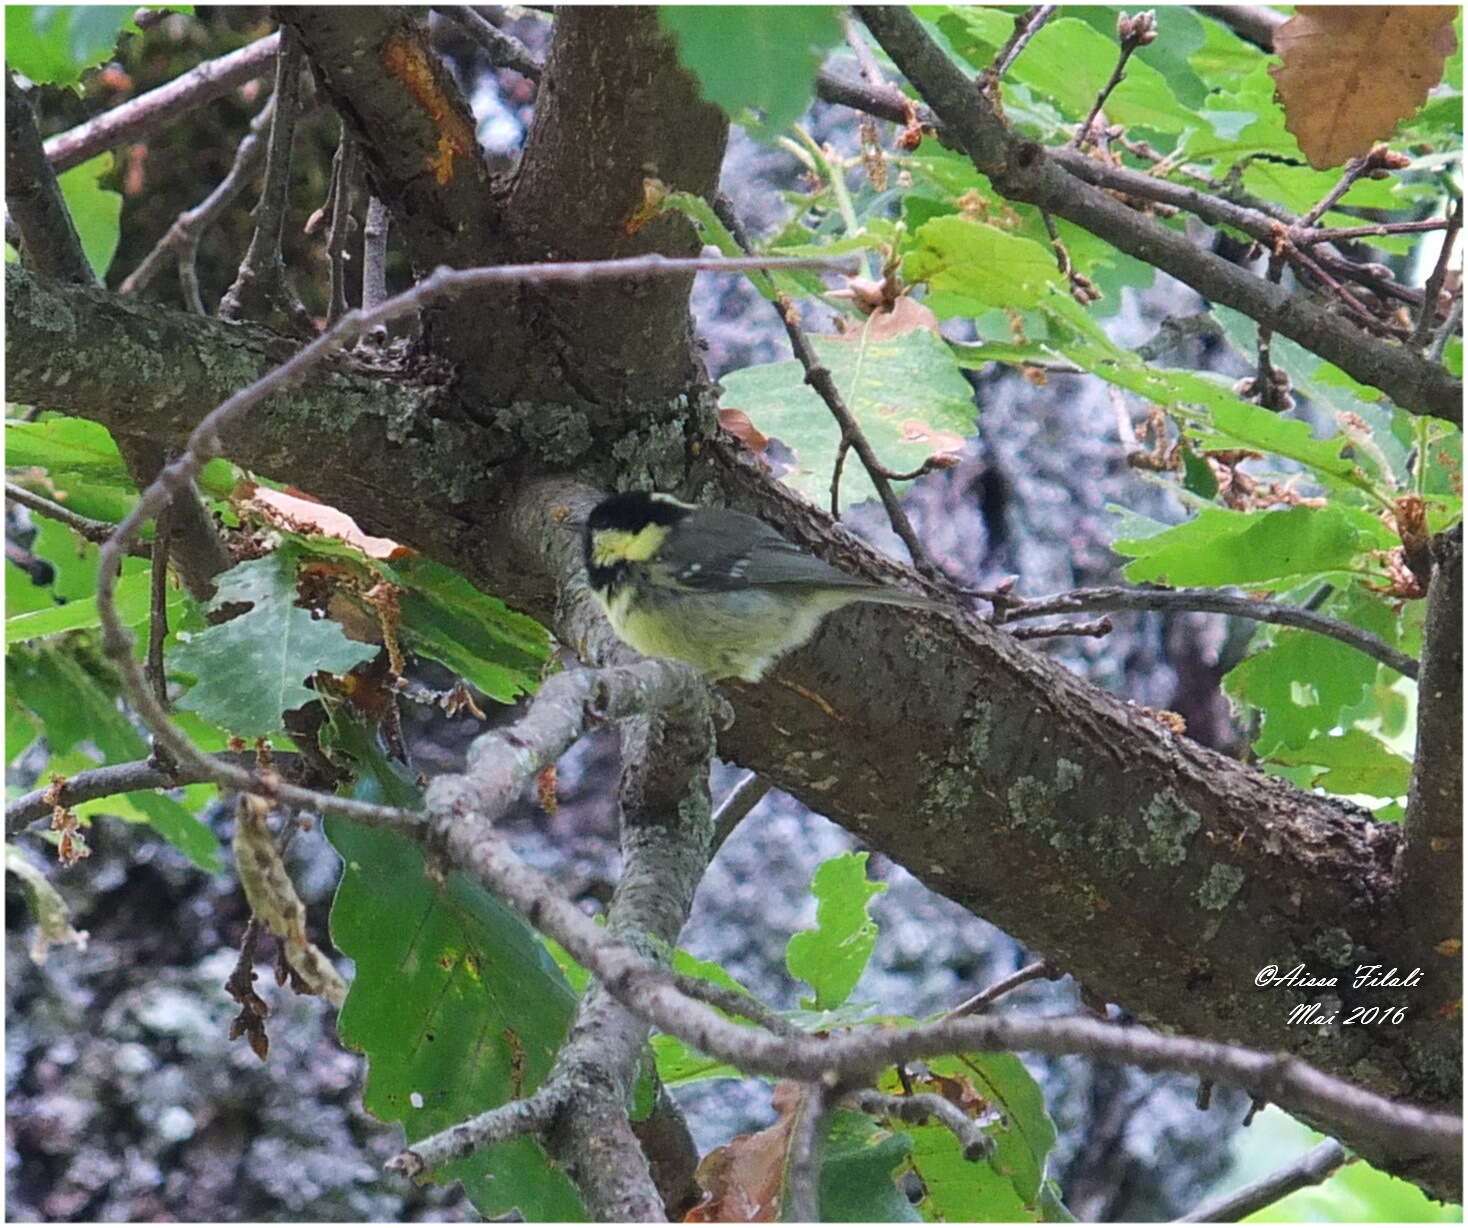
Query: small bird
column 713, row 587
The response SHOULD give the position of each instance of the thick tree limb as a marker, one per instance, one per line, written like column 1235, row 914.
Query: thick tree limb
column 1431, row 891
column 51, row 246
column 468, row 839
column 1022, row 170
column 1194, row 857
column 600, row 131
column 666, row 831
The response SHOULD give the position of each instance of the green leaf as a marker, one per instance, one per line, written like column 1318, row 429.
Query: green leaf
column 22, row 594
column 96, row 211
column 477, row 636
column 55, row 43
column 1355, row 1193
column 252, row 669
column 1256, row 549
column 76, row 707
column 857, row 1171
column 678, row 1063
column 1010, row 1186
column 1198, row 475
column 134, row 605
column 21, row 727
column 831, row 957
column 458, row 1009
column 970, row 266
column 1353, row 762
column 1239, row 424
column 48, row 908
column 1300, row 684
column 906, row 393
column 758, row 56
column 174, row 821
column 69, row 701
column 70, row 446
column 1068, row 62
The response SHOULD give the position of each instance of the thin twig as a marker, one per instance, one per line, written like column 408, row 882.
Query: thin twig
column 819, row 378
column 982, row 1000
column 1302, row 259
column 1214, row 601
column 262, row 289
column 1347, row 234
column 1435, row 280
column 113, row 779
column 1449, row 328
column 1312, row 1168
column 1253, row 22
column 923, row 1106
column 343, row 189
column 96, row 531
column 1026, row 26
column 866, row 62
column 1134, row 32
column 737, row 803
column 892, row 105
column 733, row 1002
column 1095, row 630
column 182, row 240
column 158, row 608
column 141, row 115
column 803, row 1158
column 504, row 50
column 1355, row 168
column 1266, row 394
column 528, row 1116
column 374, row 254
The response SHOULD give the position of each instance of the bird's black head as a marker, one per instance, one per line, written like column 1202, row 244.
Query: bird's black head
column 624, row 529
column 633, row 510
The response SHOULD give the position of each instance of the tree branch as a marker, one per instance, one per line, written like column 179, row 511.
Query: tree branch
column 49, row 239
column 818, row 376
column 1254, row 23
column 261, row 289
column 504, row 50
column 141, row 115
column 118, row 778
column 1214, row 601
column 1024, row 171
column 666, row 829
column 1431, row 867
column 807, row 1146
column 985, row 739
column 470, row 842
column 925, row 1106
column 1315, row 1166
column 96, row 531
column 181, row 243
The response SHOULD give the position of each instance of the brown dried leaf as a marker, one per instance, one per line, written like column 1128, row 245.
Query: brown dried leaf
column 742, row 1179
column 1351, row 73
column 303, row 514
column 907, row 315
column 738, row 424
